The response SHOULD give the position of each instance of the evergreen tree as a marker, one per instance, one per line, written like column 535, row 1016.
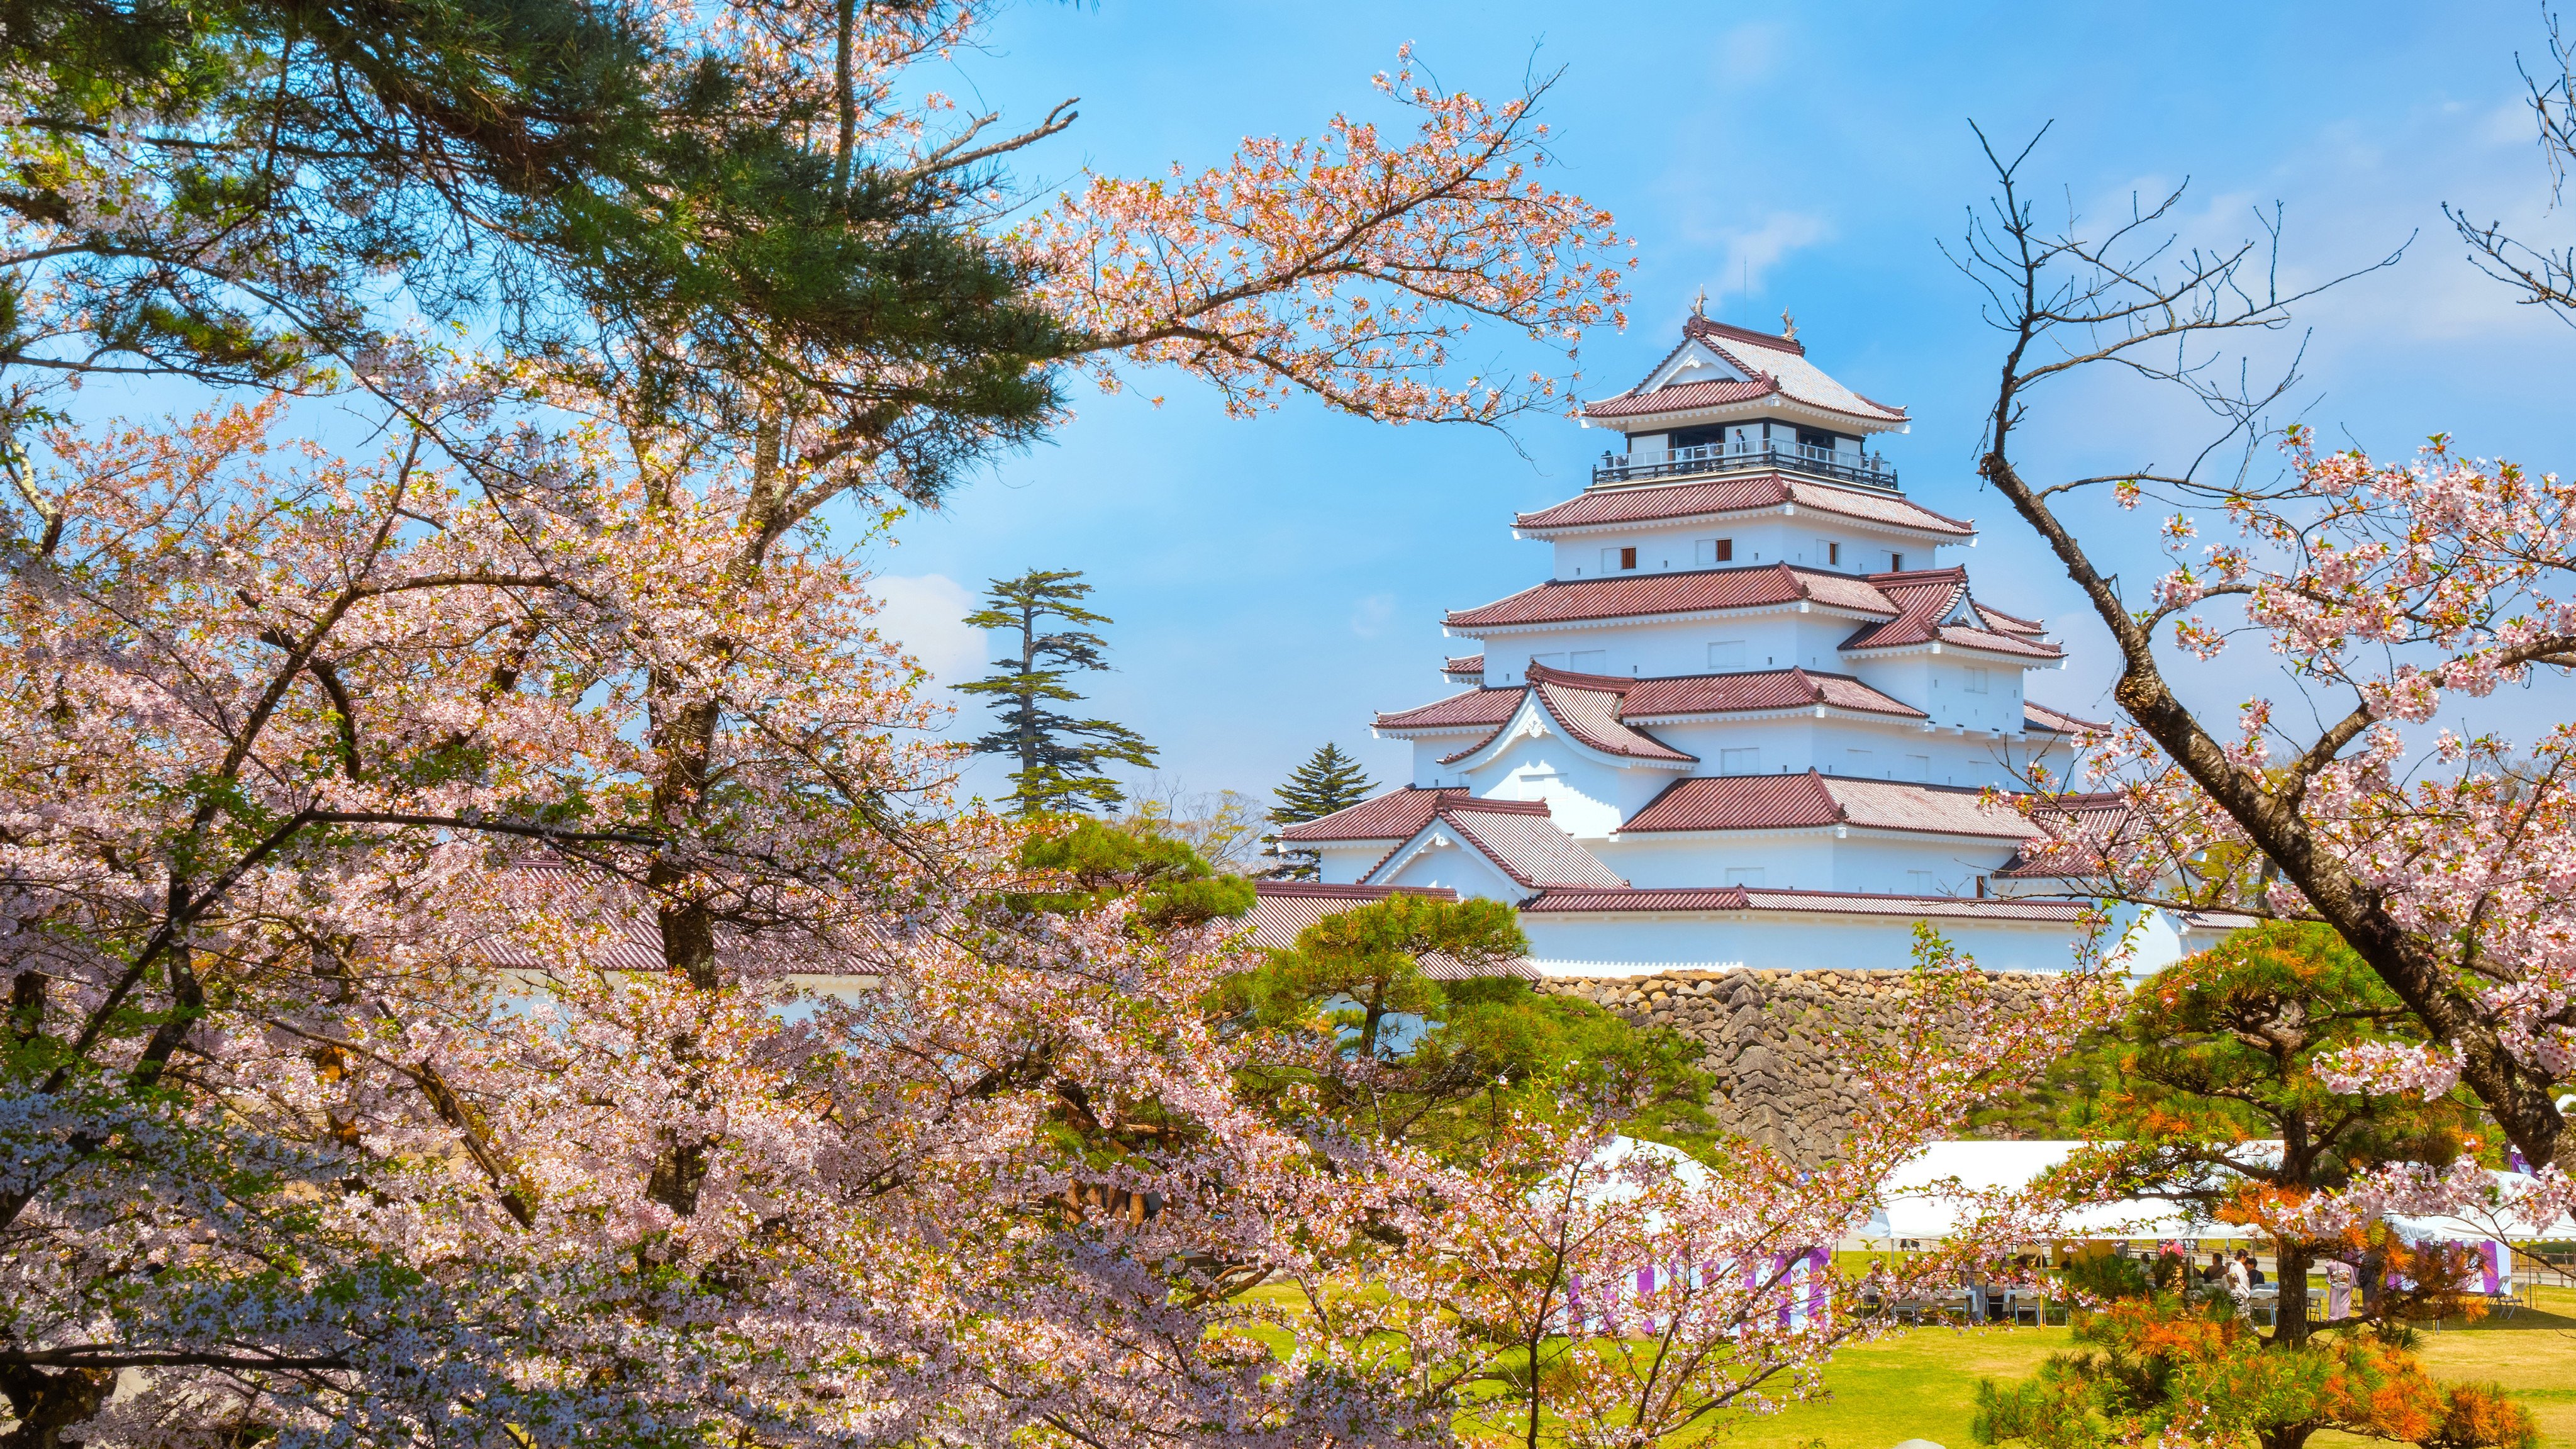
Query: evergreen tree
column 1061, row 757
column 1328, row 781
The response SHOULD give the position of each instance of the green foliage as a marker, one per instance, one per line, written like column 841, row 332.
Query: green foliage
column 1468, row 1050
column 2223, row 1047
column 1100, row 862
column 1328, row 781
column 1062, row 758
column 584, row 180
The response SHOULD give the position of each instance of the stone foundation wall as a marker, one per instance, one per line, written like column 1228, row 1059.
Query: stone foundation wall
column 1770, row 1039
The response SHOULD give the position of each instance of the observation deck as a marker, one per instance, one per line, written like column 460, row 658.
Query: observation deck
column 1840, row 465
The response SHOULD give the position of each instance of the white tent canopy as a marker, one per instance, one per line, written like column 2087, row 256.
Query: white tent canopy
column 2503, row 1221
column 1920, row 1203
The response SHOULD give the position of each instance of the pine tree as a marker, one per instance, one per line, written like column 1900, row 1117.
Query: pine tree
column 1328, row 781
column 1061, row 757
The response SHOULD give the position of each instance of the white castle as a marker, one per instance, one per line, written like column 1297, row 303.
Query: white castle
column 1750, row 719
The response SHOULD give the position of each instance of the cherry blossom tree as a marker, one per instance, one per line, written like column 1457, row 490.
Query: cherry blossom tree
column 2393, row 595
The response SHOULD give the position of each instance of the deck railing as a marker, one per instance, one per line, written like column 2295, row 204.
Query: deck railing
column 1867, row 469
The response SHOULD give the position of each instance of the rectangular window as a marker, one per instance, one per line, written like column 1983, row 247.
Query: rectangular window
column 1918, row 768
column 1857, row 763
column 1740, row 762
column 1726, row 654
column 1627, row 558
column 1896, row 563
column 1714, row 551
column 1829, row 553
column 1550, row 661
column 1919, row 882
column 1976, row 681
column 1744, row 875
column 1588, row 661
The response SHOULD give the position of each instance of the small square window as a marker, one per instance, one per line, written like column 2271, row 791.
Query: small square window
column 1726, row 550
column 1896, row 563
column 1627, row 558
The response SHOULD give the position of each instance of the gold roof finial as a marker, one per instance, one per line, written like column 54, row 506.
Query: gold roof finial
column 1788, row 325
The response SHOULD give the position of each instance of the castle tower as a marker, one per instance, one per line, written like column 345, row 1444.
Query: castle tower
column 1752, row 714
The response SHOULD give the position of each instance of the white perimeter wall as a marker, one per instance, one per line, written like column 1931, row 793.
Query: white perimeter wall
column 1641, row 944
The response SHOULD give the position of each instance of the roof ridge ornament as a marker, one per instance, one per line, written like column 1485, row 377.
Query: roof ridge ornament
column 1788, row 326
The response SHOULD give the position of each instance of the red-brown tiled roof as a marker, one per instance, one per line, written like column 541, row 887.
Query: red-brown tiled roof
column 1924, row 599
column 2076, row 836
column 1526, row 844
column 1679, row 592
column 1475, row 709
column 1788, row 802
column 1472, row 665
column 1677, row 397
column 1592, row 716
column 1641, row 898
column 1795, row 688
column 1394, row 815
column 1752, row 492
column 1739, row 802
column 2039, row 716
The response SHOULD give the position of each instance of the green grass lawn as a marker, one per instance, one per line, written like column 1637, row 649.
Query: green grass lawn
column 1922, row 1384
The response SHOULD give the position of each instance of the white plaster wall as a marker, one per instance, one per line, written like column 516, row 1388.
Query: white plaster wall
column 1344, row 864
column 1446, row 862
column 1641, row 944
column 1770, row 639
column 1948, row 866
column 1788, row 860
column 1586, row 796
column 1761, row 539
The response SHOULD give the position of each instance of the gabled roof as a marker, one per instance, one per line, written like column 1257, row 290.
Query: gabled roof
column 1769, row 366
column 1933, row 604
column 1592, row 715
column 1391, row 816
column 1679, row 591
column 1790, row 802
column 1603, row 711
column 1519, row 837
column 1747, row 493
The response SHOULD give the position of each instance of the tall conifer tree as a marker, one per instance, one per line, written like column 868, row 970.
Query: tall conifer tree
column 1328, row 781
column 1062, row 758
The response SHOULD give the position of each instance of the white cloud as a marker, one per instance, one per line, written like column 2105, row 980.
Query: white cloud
column 1369, row 615
column 1749, row 253
column 926, row 614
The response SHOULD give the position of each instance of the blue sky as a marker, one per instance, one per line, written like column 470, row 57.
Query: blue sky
column 1276, row 580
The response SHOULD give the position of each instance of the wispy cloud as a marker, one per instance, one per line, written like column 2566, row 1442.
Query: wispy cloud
column 1370, row 614
column 1747, row 254
column 926, row 614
